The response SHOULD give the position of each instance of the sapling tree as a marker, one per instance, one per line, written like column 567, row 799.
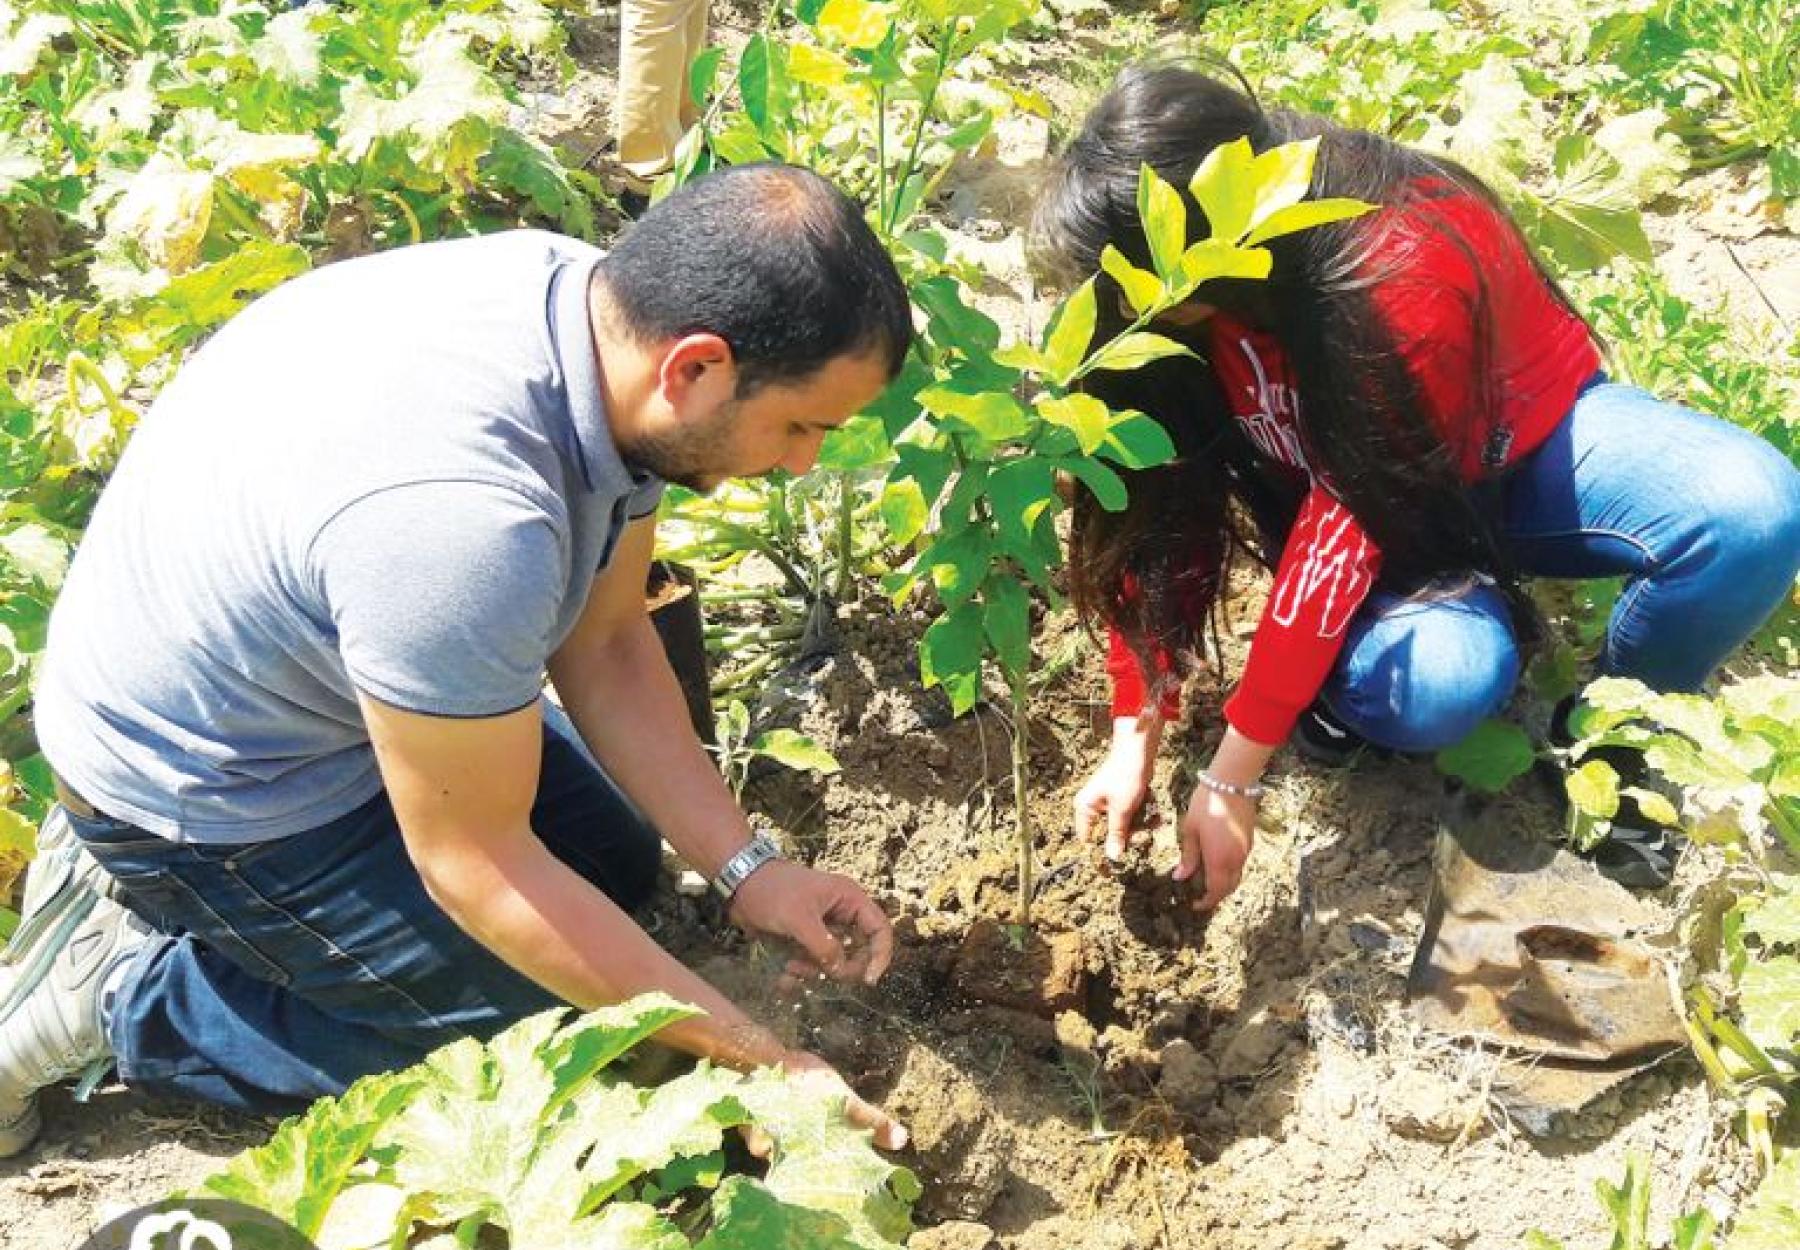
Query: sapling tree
column 974, row 479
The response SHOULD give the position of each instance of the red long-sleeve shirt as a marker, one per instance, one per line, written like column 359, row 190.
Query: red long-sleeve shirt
column 1540, row 356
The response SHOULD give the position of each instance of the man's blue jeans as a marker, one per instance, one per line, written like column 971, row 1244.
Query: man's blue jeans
column 1700, row 517
column 288, row 969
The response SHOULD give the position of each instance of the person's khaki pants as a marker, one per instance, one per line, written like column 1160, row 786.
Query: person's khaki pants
column 658, row 40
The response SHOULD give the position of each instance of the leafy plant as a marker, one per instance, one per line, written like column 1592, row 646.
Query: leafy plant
column 737, row 750
column 1628, row 1207
column 1736, row 759
column 539, row 1136
column 1001, row 423
column 1730, row 72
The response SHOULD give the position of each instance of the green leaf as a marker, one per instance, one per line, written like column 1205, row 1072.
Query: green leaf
column 1006, row 618
column 1021, row 492
column 995, row 415
column 1682, row 764
column 1770, row 1220
column 1164, row 219
column 1070, row 331
column 760, row 84
column 1082, row 415
column 904, row 511
column 1140, row 348
column 746, row 1216
column 1297, row 217
column 860, row 443
column 702, row 74
column 1769, row 997
column 1108, row 487
column 1143, row 291
column 300, row 1172
column 1774, row 918
column 1594, row 789
column 796, row 751
column 958, row 564
column 1490, row 758
column 1137, row 441
column 950, row 656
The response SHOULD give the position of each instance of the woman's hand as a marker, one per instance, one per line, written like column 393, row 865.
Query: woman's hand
column 1218, row 828
column 1216, row 835
column 1116, row 791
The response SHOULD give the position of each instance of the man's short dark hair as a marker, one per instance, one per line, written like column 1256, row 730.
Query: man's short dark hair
column 773, row 259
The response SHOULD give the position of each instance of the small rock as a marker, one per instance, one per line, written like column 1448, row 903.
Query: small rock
column 1189, row 1080
column 1075, row 1031
column 956, row 1235
column 1253, row 1048
column 1425, row 1106
column 690, row 884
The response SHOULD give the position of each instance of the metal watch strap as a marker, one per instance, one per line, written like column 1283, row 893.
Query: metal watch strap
column 759, row 851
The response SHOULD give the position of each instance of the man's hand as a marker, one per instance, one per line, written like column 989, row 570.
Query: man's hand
column 1117, row 790
column 1216, row 834
column 838, row 927
column 890, row 1134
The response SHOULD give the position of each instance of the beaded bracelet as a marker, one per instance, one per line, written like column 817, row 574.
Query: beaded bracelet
column 1251, row 792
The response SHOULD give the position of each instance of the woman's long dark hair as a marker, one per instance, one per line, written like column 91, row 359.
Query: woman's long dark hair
column 1363, row 420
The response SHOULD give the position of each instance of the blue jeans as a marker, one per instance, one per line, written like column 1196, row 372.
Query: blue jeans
column 285, row 970
column 1701, row 518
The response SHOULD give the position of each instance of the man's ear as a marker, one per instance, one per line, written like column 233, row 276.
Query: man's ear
column 697, row 368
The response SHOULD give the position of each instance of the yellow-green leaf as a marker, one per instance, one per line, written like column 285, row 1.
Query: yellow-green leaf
column 1281, row 177
column 1215, row 258
column 904, row 510
column 855, row 23
column 796, row 751
column 1655, row 806
column 1071, row 331
column 1303, row 216
column 1164, row 219
column 1225, row 188
column 1131, row 350
column 1142, row 289
column 995, row 415
column 1594, row 789
column 818, row 66
column 1082, row 415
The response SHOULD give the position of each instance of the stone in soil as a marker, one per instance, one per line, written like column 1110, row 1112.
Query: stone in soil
column 1427, row 1107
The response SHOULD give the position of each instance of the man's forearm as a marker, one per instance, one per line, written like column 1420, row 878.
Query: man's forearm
column 629, row 708
column 544, row 920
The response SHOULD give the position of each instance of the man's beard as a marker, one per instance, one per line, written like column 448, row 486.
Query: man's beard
column 694, row 456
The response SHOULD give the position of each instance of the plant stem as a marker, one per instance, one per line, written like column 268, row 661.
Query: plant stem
column 881, row 170
column 918, row 137
column 846, row 535
column 1021, row 811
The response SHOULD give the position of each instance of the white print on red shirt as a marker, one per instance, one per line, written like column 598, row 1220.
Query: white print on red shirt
column 1330, row 580
column 1273, row 423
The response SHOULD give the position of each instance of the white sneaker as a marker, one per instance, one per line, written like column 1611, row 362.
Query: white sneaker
column 71, row 934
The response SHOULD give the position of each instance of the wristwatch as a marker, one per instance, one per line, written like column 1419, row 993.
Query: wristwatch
column 759, row 851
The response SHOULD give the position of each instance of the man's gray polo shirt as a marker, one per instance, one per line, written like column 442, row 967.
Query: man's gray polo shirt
column 393, row 474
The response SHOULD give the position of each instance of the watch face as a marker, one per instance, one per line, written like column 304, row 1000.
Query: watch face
column 196, row 1224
